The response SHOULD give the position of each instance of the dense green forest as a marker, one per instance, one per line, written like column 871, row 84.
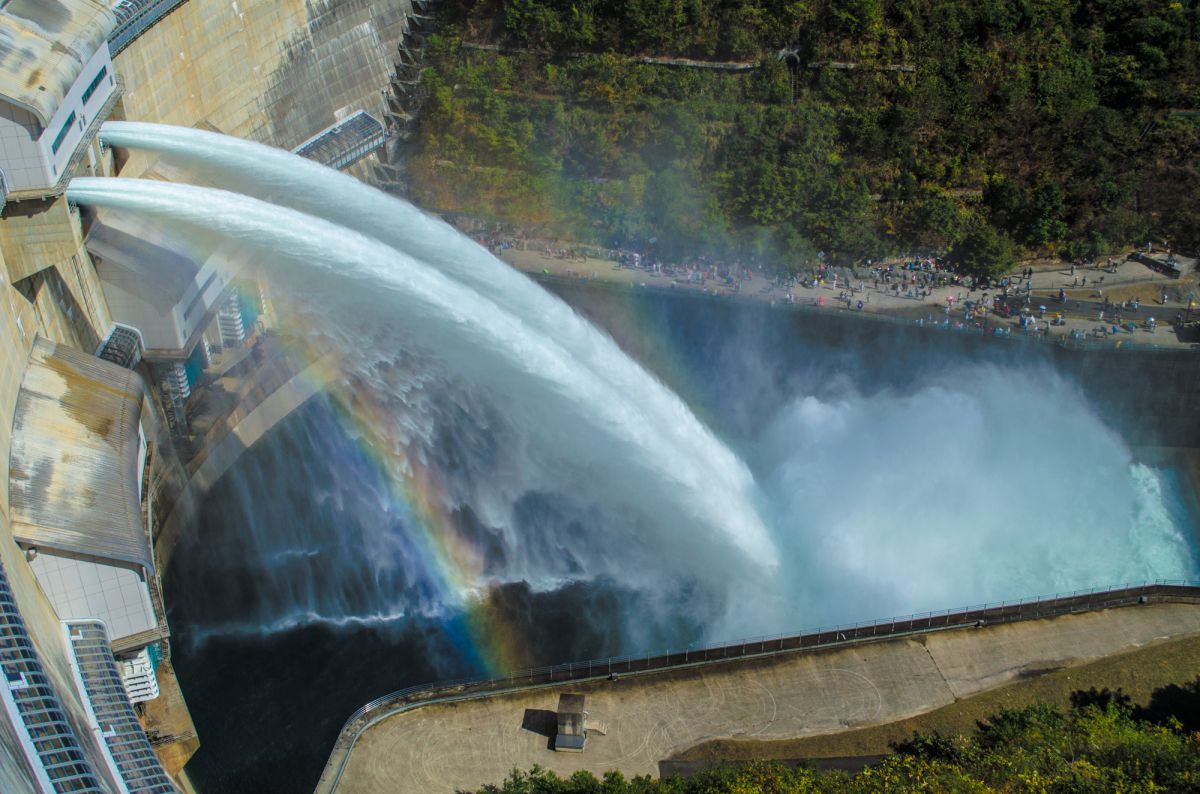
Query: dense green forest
column 1101, row 744
column 990, row 128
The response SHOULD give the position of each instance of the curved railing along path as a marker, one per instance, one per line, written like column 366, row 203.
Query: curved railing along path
column 381, row 708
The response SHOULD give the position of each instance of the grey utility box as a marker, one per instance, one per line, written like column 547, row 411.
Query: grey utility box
column 571, row 730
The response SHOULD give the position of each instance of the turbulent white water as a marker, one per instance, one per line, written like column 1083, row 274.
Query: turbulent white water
column 578, row 434
column 987, row 484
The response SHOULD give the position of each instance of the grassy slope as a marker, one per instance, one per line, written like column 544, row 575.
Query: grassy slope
column 1137, row 672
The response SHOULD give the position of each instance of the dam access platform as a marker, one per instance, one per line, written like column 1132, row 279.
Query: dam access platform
column 646, row 710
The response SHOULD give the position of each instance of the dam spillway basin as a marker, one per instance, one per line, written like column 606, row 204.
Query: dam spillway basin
column 411, row 527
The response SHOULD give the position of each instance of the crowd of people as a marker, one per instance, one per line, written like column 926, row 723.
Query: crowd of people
column 1001, row 307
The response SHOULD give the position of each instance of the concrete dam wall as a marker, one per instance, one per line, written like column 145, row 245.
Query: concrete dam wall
column 273, row 71
column 276, row 71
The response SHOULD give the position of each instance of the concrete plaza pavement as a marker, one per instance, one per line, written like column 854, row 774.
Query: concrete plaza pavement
column 463, row 745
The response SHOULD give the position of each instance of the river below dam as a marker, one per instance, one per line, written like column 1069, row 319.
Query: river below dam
column 897, row 469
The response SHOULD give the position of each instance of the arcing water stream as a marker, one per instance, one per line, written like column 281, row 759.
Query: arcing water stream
column 387, row 302
column 483, row 434
column 286, row 180
column 569, row 414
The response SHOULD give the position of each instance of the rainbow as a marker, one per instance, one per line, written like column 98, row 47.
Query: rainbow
column 418, row 495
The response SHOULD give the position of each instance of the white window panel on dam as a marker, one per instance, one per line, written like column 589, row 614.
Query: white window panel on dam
column 128, row 752
column 36, row 152
column 65, row 132
column 35, row 725
column 81, row 590
column 233, row 329
column 56, row 42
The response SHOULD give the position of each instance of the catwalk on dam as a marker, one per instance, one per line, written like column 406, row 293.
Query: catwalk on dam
column 492, row 482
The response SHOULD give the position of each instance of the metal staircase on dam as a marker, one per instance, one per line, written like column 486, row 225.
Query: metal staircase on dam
column 403, row 98
column 346, row 142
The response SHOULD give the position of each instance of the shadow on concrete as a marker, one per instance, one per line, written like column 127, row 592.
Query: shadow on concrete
column 543, row 722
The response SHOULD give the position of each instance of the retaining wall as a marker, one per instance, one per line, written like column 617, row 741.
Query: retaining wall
column 839, row 636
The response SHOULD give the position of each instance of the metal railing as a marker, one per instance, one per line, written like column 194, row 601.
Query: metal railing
column 135, row 17
column 346, row 142
column 824, row 637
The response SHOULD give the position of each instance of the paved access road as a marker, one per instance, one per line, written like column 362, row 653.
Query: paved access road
column 450, row 747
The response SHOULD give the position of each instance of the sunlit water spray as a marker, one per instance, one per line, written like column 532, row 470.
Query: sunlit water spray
column 578, row 480
column 288, row 180
column 984, row 485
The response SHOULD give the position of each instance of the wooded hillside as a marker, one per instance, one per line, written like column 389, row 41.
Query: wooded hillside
column 1067, row 127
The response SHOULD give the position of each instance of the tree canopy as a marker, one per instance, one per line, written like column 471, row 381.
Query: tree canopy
column 1101, row 744
column 856, row 127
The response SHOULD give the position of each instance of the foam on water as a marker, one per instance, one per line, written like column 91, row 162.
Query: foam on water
column 482, row 435
column 659, row 510
column 288, row 180
column 983, row 484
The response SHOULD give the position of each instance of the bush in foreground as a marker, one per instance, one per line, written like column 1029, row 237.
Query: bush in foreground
column 1101, row 744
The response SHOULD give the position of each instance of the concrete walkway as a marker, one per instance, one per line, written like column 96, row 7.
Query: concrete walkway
column 450, row 747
